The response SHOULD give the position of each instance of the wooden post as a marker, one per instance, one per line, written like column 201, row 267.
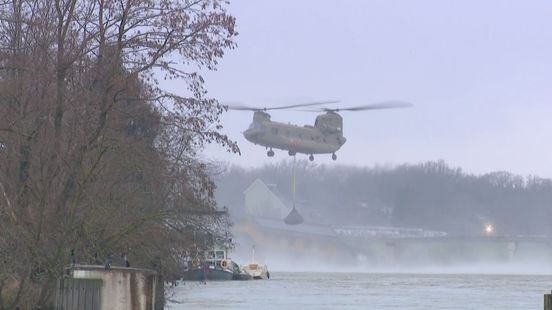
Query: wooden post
column 547, row 301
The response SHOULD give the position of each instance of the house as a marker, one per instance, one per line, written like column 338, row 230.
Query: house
column 264, row 201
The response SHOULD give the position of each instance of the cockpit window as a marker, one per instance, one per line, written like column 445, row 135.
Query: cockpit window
column 256, row 126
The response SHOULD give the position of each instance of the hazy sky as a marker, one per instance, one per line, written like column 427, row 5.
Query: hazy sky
column 478, row 72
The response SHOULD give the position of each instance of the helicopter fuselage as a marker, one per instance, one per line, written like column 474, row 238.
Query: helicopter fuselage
column 325, row 137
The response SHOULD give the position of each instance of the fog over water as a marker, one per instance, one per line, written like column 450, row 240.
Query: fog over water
column 280, row 261
column 429, row 217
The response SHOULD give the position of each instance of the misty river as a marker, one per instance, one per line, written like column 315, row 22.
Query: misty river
column 368, row 291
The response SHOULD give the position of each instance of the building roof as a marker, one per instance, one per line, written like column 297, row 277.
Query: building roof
column 287, row 202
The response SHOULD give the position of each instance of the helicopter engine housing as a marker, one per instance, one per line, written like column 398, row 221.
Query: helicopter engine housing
column 329, row 123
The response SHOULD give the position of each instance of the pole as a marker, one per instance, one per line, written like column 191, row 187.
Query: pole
column 547, row 301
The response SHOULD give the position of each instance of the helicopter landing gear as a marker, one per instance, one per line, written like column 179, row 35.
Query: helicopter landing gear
column 270, row 153
column 292, row 153
column 334, row 157
column 311, row 158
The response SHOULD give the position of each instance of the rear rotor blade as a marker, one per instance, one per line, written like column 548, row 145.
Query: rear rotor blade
column 379, row 106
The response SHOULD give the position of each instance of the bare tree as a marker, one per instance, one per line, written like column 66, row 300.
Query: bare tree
column 94, row 155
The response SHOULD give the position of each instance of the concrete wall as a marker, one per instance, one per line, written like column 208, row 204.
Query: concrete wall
column 122, row 288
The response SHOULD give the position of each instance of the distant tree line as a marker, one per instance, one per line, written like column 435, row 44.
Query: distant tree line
column 96, row 159
column 429, row 195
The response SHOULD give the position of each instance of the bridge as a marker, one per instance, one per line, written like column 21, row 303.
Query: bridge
column 417, row 246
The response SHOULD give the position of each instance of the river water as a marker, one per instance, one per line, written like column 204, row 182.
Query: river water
column 368, row 291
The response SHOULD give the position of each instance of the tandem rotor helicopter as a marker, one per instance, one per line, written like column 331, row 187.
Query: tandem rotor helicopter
column 324, row 137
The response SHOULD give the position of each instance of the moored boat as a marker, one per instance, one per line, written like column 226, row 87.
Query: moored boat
column 256, row 270
column 215, row 265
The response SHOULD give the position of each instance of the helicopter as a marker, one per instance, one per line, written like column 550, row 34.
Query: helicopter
column 324, row 137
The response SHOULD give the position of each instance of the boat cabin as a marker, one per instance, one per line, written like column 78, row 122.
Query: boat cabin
column 215, row 258
column 217, row 254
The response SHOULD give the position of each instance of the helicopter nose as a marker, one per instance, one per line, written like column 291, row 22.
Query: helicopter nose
column 342, row 140
column 249, row 134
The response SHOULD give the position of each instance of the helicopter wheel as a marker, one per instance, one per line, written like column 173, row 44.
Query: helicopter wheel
column 311, row 158
column 270, row 153
column 334, row 157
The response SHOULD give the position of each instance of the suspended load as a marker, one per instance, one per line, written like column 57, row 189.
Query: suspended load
column 294, row 218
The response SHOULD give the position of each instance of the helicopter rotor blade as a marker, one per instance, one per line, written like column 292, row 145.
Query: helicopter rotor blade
column 299, row 105
column 238, row 106
column 241, row 107
column 373, row 106
column 379, row 106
